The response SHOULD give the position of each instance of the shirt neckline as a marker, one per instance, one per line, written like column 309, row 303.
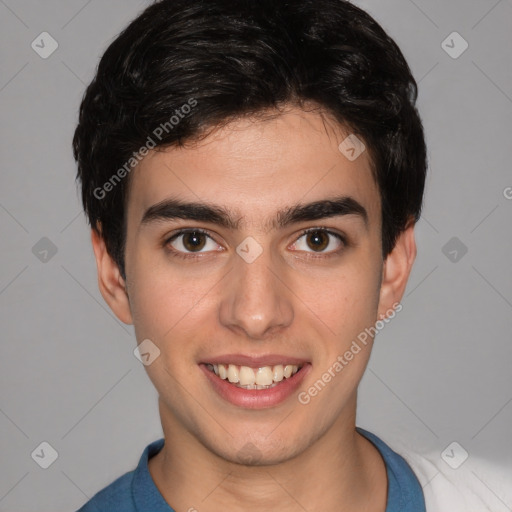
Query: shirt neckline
column 403, row 485
column 404, row 488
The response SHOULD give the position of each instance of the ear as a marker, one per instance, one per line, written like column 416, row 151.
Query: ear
column 110, row 282
column 396, row 270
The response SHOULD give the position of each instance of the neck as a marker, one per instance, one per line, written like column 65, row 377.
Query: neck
column 341, row 471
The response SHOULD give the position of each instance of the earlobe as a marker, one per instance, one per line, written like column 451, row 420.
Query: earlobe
column 396, row 270
column 110, row 282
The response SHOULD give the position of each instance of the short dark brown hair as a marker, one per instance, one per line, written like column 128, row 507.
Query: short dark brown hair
column 230, row 58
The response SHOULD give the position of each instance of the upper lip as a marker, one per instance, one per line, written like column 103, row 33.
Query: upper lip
column 255, row 361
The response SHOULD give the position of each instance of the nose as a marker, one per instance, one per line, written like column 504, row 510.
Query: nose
column 256, row 301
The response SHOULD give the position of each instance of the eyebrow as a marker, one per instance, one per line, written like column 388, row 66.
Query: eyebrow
column 173, row 208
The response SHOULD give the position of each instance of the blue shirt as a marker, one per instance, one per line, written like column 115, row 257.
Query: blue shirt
column 135, row 491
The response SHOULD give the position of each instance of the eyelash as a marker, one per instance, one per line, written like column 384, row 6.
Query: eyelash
column 192, row 256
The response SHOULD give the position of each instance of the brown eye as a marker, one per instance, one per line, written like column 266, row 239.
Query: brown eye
column 317, row 240
column 191, row 241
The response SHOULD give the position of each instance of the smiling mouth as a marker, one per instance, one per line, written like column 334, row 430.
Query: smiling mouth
column 264, row 377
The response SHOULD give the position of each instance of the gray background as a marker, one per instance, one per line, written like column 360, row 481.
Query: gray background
column 440, row 372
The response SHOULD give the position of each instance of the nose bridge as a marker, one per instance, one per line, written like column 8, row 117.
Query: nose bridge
column 256, row 300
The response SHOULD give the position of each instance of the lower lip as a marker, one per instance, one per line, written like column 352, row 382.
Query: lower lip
column 256, row 398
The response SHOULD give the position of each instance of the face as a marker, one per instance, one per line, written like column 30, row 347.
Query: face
column 277, row 269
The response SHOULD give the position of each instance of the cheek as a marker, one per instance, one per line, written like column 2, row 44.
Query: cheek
column 162, row 305
column 349, row 309
column 344, row 301
column 169, row 301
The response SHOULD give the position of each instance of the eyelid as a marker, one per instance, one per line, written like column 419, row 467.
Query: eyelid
column 184, row 231
column 341, row 238
column 190, row 255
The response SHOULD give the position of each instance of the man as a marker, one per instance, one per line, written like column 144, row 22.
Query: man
column 252, row 173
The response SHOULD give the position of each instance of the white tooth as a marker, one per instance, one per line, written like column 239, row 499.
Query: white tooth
column 216, row 369
column 287, row 372
column 233, row 373
column 261, row 387
column 264, row 376
column 295, row 369
column 246, row 376
column 222, row 371
column 278, row 373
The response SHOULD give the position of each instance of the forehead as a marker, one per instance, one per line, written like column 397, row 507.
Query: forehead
column 254, row 166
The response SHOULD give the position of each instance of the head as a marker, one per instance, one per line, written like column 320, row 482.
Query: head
column 236, row 119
